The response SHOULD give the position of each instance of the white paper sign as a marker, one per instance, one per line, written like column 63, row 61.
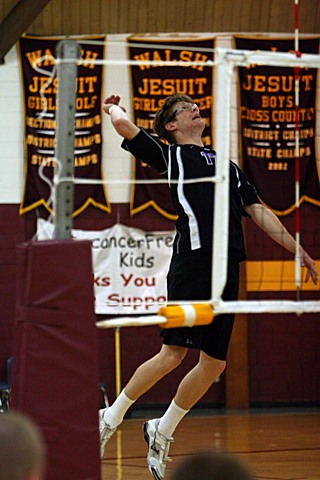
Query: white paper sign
column 130, row 267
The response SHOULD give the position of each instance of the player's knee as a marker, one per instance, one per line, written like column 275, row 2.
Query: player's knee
column 221, row 366
column 213, row 365
column 172, row 356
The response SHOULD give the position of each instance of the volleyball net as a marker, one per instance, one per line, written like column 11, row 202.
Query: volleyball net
column 225, row 63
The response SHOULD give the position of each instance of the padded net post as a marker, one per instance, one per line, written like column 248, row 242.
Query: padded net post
column 55, row 354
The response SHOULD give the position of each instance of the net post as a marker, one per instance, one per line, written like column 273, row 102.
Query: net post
column 63, row 198
column 223, row 75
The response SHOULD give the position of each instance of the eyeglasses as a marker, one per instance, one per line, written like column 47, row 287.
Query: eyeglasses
column 184, row 107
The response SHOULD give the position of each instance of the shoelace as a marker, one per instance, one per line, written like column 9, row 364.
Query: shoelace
column 163, row 445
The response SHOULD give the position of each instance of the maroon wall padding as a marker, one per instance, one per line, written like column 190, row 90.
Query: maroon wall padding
column 11, row 232
column 55, row 354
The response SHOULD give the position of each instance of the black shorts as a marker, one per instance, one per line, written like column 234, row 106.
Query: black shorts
column 189, row 278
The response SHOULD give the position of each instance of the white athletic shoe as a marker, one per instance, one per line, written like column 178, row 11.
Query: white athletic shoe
column 158, row 450
column 105, row 431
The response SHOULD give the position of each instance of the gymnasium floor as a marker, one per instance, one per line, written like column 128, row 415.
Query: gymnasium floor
column 279, row 444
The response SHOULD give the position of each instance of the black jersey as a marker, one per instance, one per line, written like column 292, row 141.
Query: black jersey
column 193, row 202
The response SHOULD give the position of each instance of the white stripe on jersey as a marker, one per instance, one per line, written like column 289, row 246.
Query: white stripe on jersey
column 193, row 224
column 169, row 167
column 237, row 175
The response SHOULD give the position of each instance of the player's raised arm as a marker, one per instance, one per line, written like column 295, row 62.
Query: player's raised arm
column 119, row 118
column 270, row 224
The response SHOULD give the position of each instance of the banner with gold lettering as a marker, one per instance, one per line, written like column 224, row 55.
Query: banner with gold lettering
column 151, row 84
column 39, row 93
column 267, row 116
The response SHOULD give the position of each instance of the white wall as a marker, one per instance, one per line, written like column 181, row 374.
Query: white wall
column 116, row 162
column 11, row 131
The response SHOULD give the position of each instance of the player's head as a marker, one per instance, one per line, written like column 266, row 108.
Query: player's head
column 22, row 451
column 168, row 112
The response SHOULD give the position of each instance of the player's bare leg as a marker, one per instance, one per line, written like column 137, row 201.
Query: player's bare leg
column 147, row 375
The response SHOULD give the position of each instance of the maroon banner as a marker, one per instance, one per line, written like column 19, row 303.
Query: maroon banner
column 40, row 122
column 151, row 84
column 267, row 116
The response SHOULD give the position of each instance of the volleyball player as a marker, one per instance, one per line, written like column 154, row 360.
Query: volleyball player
column 179, row 122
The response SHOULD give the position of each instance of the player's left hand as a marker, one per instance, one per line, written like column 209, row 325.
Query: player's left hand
column 306, row 261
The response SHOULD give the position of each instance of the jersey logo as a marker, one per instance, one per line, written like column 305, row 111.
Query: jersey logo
column 209, row 156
